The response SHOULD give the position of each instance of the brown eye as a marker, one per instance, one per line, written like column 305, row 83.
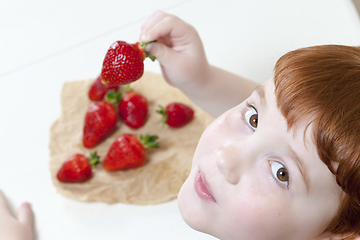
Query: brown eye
column 253, row 121
column 251, row 117
column 280, row 172
column 282, row 175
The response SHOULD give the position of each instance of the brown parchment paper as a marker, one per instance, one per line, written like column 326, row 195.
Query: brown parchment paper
column 165, row 169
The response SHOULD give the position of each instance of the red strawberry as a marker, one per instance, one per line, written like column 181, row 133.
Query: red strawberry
column 98, row 90
column 176, row 114
column 128, row 151
column 123, row 63
column 100, row 120
column 133, row 109
column 77, row 168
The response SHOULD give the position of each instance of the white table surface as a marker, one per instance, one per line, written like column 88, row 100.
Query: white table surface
column 45, row 43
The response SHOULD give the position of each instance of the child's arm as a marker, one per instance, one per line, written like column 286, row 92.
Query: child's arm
column 181, row 55
column 15, row 228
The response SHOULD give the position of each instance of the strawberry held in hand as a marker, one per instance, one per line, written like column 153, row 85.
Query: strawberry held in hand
column 98, row 90
column 176, row 114
column 123, row 63
column 128, row 151
column 77, row 168
column 100, row 120
column 133, row 109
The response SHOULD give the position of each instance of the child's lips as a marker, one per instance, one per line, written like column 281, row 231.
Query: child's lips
column 202, row 188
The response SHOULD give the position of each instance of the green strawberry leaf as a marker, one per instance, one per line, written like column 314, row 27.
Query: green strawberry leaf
column 148, row 141
column 93, row 159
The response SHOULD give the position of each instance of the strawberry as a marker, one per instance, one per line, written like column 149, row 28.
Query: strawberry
column 176, row 114
column 77, row 168
column 98, row 90
column 123, row 63
column 128, row 151
column 133, row 109
column 100, row 120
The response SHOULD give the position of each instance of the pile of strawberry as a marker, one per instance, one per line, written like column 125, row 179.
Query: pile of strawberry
column 113, row 102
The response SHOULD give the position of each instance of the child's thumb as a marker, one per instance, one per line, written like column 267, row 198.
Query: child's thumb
column 158, row 50
column 25, row 214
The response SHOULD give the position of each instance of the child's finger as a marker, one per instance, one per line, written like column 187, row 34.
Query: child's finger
column 163, row 25
column 161, row 28
column 3, row 205
column 152, row 20
column 169, row 26
column 25, row 214
column 160, row 51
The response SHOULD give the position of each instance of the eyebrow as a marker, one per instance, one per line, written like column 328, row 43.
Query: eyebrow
column 261, row 92
column 295, row 157
column 300, row 164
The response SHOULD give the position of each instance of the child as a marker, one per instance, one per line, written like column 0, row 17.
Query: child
column 15, row 228
column 284, row 164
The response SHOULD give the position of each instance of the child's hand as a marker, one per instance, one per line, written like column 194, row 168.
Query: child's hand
column 178, row 49
column 15, row 228
column 184, row 65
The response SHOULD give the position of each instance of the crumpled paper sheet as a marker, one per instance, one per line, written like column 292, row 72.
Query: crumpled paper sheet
column 165, row 169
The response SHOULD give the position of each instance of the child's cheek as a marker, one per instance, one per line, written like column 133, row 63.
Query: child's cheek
column 216, row 133
column 258, row 213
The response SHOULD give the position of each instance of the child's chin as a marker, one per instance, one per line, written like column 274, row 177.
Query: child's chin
column 190, row 209
column 186, row 202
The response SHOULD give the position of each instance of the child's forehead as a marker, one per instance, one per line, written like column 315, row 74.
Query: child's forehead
column 266, row 90
column 320, row 85
column 303, row 125
column 290, row 141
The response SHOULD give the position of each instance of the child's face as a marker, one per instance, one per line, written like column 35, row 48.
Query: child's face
column 258, row 181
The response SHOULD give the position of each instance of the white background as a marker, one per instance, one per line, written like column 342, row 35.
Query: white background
column 44, row 43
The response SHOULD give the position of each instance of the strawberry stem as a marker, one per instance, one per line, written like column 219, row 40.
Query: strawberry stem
column 164, row 114
column 113, row 97
column 126, row 88
column 148, row 141
column 93, row 159
column 143, row 45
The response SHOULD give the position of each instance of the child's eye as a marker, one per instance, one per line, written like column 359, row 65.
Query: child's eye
column 280, row 172
column 251, row 117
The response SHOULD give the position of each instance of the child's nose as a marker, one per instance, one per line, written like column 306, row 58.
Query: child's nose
column 231, row 164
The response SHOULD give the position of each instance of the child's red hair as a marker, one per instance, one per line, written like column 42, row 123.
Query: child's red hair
column 323, row 83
